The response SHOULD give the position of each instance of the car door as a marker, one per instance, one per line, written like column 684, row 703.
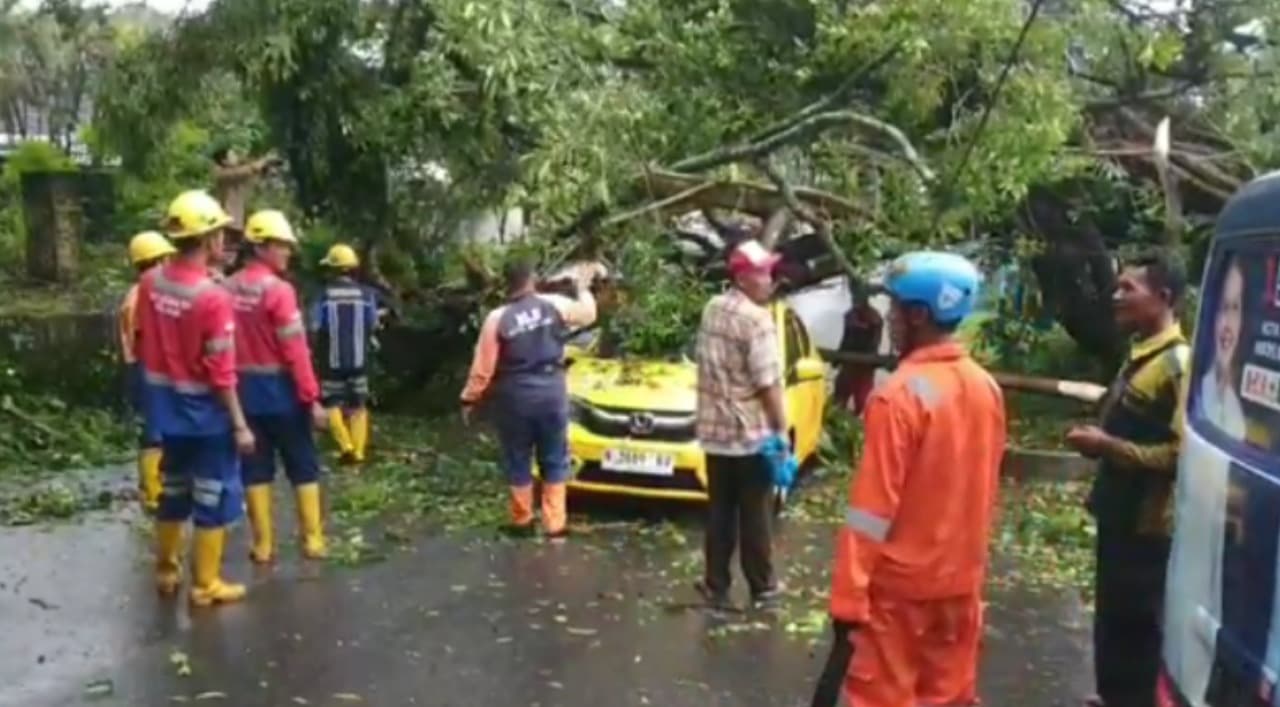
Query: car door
column 804, row 398
column 809, row 396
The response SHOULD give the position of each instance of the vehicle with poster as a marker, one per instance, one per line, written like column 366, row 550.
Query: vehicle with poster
column 1221, row 609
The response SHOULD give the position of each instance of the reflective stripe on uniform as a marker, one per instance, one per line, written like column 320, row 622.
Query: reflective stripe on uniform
column 924, row 390
column 331, row 313
column 354, row 294
column 358, row 335
column 357, row 386
column 208, row 492
column 868, row 524
column 187, row 387
column 290, row 330
column 255, row 289
column 188, row 292
column 218, row 344
column 176, row 486
column 265, row 368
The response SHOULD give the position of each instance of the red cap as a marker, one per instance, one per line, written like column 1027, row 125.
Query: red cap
column 750, row 255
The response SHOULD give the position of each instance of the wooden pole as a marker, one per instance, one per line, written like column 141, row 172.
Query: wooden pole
column 1082, row 391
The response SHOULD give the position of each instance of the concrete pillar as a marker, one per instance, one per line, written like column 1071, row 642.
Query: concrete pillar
column 54, row 219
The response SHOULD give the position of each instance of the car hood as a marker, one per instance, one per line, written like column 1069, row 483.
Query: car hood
column 631, row 384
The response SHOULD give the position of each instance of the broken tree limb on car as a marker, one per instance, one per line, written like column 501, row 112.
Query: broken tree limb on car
column 679, row 199
column 801, row 128
column 1083, row 391
column 823, row 226
column 832, row 100
column 677, row 191
column 803, row 131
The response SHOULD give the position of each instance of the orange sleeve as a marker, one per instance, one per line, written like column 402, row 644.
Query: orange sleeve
column 485, row 361
column 874, row 494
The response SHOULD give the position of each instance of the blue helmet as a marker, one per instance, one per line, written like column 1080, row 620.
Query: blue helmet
column 945, row 283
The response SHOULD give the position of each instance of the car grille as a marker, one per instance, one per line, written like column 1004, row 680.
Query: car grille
column 682, row 480
column 636, row 424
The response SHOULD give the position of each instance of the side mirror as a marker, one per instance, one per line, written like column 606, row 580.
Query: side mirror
column 810, row 369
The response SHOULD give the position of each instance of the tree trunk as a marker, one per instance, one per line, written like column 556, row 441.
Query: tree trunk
column 1076, row 274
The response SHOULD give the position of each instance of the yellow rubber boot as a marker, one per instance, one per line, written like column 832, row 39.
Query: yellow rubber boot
column 149, row 478
column 168, row 556
column 310, row 526
column 360, row 432
column 258, row 499
column 208, row 588
column 341, row 435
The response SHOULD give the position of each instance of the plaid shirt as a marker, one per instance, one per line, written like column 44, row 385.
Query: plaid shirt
column 737, row 358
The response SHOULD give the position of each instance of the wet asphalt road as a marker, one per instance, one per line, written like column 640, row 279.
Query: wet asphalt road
column 449, row 621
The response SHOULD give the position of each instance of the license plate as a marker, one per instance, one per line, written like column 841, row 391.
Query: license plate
column 631, row 462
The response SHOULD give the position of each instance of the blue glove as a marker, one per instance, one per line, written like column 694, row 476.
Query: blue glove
column 775, row 446
column 782, row 463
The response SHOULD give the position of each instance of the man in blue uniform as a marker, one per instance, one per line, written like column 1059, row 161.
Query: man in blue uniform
column 343, row 321
column 519, row 368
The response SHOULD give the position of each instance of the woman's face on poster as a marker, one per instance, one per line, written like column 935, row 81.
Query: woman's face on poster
column 1226, row 329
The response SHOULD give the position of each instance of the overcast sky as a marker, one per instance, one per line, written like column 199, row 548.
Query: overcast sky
column 169, row 6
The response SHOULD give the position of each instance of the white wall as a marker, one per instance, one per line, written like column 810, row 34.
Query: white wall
column 488, row 227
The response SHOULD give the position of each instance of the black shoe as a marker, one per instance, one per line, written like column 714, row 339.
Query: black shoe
column 512, row 530
column 713, row 599
column 767, row 600
column 559, row 536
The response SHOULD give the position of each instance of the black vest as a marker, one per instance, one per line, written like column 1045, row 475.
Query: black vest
column 1120, row 495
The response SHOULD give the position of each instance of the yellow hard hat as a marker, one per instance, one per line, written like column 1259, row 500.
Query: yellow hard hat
column 341, row 255
column 194, row 213
column 148, row 246
column 269, row 225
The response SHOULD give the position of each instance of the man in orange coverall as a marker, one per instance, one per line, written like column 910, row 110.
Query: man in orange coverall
column 912, row 554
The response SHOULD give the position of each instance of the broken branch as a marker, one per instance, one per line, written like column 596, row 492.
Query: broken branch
column 832, row 99
column 659, row 205
column 760, row 200
column 804, row 129
column 1082, row 391
column 803, row 213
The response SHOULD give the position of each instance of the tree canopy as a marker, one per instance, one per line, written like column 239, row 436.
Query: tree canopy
column 888, row 123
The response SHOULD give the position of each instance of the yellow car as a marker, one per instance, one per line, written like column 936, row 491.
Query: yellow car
column 632, row 421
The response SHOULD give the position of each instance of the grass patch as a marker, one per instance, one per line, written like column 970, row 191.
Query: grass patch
column 104, row 276
column 1040, row 421
column 45, row 436
column 1046, row 530
column 423, row 473
column 52, row 502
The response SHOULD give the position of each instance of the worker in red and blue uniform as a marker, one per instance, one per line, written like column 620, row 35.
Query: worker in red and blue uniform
column 187, row 336
column 277, row 385
column 343, row 321
column 146, row 251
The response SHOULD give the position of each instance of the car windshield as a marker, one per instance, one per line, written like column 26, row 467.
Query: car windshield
column 606, row 343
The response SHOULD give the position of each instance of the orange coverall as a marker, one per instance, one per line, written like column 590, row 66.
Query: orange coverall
column 912, row 555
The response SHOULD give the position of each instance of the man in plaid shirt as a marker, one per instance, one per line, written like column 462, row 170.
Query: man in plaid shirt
column 740, row 409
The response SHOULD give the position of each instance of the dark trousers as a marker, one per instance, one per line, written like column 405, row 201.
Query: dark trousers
column 530, row 430
column 1127, row 621
column 740, row 516
column 288, row 436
